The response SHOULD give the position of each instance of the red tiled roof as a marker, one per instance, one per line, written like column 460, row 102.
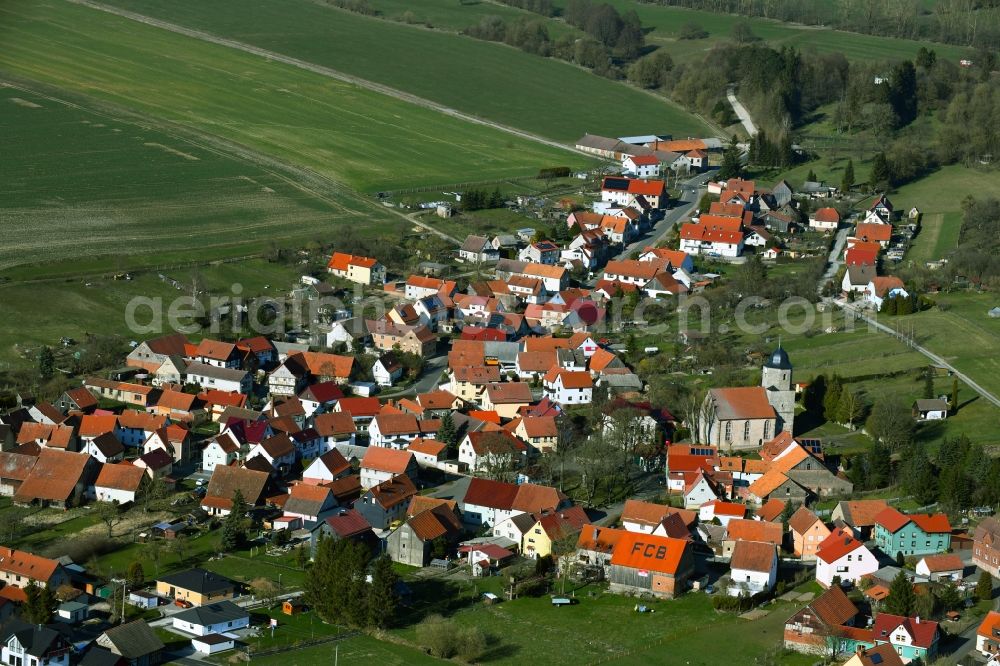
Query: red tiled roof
column 753, row 555
column 741, row 529
column 922, row 631
column 771, row 510
column 826, row 214
column 946, row 562
column 835, row 546
column 386, row 460
column 650, row 553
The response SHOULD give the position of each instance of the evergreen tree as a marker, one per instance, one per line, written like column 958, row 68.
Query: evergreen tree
column 786, row 514
column 39, row 605
column 954, row 396
column 336, row 586
column 447, row 434
column 46, row 363
column 901, row 599
column 811, row 176
column 812, row 397
column 879, row 464
column 918, row 475
column 234, row 528
column 832, row 398
column 881, row 173
column 382, row 598
column 928, row 383
column 732, row 165
column 848, row 180
column 984, row 588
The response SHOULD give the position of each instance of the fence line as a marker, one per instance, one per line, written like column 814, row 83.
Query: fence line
column 303, row 644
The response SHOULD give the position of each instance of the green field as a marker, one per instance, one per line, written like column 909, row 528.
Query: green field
column 365, row 140
column 456, row 16
column 666, row 23
column 939, row 197
column 136, row 192
column 493, row 81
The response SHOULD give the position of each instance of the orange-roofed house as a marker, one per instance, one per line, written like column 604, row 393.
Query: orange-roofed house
column 812, row 628
column 724, row 511
column 914, row 534
column 309, row 502
column 628, row 191
column 647, row 564
column 644, row 517
column 566, row 387
column 842, row 556
column 808, row 532
column 988, row 635
column 596, row 544
column 551, row 527
column 411, row 543
column 704, row 240
column 824, row 219
column 362, row 270
column 874, row 233
column 946, row 566
column 542, row 432
column 884, row 287
column 18, row 568
column 381, row 464
column 506, row 398
column 483, row 451
column 119, row 482
column 744, row 529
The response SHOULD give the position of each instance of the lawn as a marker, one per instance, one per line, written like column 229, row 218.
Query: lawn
column 493, row 81
column 604, row 628
column 456, row 16
column 666, row 23
column 939, row 197
column 356, row 650
column 362, row 139
column 93, row 305
column 136, row 193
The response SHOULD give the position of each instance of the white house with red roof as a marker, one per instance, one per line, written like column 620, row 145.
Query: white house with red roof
column 698, row 490
column 724, row 511
column 883, row 287
column 842, row 556
column 634, row 192
column 566, row 387
column 362, row 270
column 824, row 219
column 912, row 637
column 641, row 166
column 711, row 241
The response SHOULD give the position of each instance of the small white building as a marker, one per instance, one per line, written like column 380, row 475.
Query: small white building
column 221, row 379
column 213, row 643
column 698, row 491
column 387, row 369
column 641, row 166
column 217, row 618
column 753, row 568
column 223, row 449
column 947, row 566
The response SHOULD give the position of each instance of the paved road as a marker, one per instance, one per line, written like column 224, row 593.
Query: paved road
column 428, row 381
column 690, row 194
column 923, row 350
column 324, row 71
column 834, row 261
column 741, row 112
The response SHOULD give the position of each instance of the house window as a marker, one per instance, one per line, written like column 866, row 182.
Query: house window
column 767, row 430
column 746, row 430
column 729, row 430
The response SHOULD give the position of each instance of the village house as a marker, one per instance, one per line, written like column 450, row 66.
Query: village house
column 223, row 449
column 841, row 556
column 824, row 219
column 490, row 503
column 308, row 503
column 859, row 515
column 506, row 398
column 914, row 534
column 428, row 521
column 19, row 568
column 565, row 387
column 30, row 645
column 361, row 270
column 550, row 528
column 215, row 619
column 151, row 354
column 824, row 625
column 883, row 287
column 641, row 166
column 986, row 546
column 134, row 643
column 477, row 249
column 808, row 532
column 58, row 478
column 131, row 394
column 383, row 504
column 753, row 568
column 387, row 336
column 222, row 487
column 105, row 448
column 634, row 192
column 387, row 369
column 174, row 439
column 119, row 482
column 988, row 635
column 221, row 378
column 381, row 464
column 932, row 409
column 944, row 567
column 196, row 586
column 913, row 638
column 158, row 464
column 541, row 432
column 487, row 450
column 279, row 451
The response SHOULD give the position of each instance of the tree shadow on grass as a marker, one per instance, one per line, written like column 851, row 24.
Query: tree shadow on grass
column 807, row 421
column 498, row 649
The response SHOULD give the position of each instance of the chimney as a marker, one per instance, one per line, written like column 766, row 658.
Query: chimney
column 917, row 619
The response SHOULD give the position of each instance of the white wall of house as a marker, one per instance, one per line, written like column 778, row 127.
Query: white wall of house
column 206, row 629
column 850, row 567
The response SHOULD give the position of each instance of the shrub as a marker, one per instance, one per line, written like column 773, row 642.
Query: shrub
column 532, row 588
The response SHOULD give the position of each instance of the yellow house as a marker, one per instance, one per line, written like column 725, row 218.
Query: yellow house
column 196, row 586
column 541, row 432
column 551, row 528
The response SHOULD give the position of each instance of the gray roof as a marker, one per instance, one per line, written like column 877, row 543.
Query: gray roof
column 474, row 243
column 778, row 360
column 931, row 405
column 132, row 640
column 205, row 370
column 199, row 580
column 223, row 611
column 861, row 275
column 505, row 352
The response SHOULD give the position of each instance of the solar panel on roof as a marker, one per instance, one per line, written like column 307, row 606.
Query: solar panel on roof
column 616, row 183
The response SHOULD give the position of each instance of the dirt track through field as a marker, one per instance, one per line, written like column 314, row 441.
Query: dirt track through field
column 323, row 71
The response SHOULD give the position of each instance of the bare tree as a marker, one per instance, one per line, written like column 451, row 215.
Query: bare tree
column 110, row 514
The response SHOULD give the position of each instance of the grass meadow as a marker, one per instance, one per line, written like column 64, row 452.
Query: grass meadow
column 359, row 138
column 85, row 191
column 488, row 80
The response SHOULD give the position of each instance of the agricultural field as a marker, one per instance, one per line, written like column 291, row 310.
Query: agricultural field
column 86, row 190
column 356, row 137
column 492, row 81
column 666, row 23
column 456, row 16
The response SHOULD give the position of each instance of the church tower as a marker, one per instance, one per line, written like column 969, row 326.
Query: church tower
column 776, row 378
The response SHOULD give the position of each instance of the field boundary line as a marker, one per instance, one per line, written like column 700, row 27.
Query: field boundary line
column 324, row 71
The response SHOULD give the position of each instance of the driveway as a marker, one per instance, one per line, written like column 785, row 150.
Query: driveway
column 834, row 260
column 741, row 112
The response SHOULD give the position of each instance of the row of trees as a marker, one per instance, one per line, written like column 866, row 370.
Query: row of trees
column 475, row 199
column 977, row 255
column 973, row 23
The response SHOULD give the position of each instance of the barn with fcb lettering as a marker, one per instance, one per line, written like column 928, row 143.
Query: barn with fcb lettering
column 647, row 564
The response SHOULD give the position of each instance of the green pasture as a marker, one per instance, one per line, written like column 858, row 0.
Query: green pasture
column 491, row 81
